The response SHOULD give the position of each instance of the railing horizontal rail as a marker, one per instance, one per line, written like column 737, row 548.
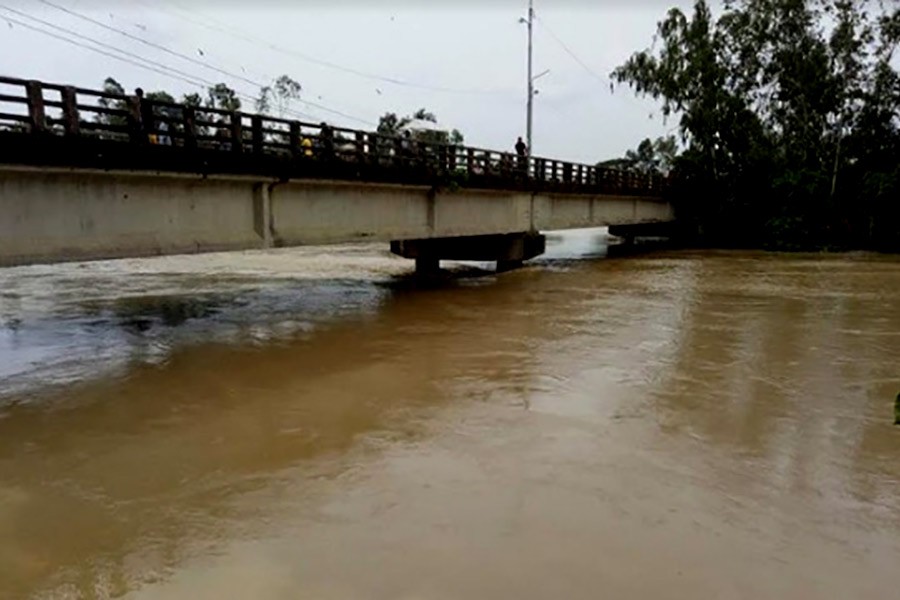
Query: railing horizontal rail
column 101, row 127
column 93, row 93
column 216, row 129
column 14, row 99
column 102, row 110
column 14, row 117
column 13, row 80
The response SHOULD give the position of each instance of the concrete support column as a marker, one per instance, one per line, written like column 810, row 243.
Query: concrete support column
column 262, row 213
column 508, row 265
column 509, row 250
column 427, row 265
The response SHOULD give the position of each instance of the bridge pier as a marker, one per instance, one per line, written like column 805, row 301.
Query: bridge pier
column 508, row 250
column 427, row 265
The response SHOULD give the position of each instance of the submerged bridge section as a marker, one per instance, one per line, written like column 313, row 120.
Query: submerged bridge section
column 89, row 175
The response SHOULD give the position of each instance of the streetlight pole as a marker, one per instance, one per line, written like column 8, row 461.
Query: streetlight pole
column 530, row 78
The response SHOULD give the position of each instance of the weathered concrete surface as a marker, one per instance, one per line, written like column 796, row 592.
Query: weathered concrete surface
column 54, row 215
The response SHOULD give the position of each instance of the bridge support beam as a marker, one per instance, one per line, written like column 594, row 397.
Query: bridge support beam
column 508, row 250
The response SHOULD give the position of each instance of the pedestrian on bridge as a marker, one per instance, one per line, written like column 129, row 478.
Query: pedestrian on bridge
column 521, row 147
column 522, row 152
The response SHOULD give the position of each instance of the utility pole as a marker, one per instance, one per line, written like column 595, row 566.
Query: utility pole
column 530, row 78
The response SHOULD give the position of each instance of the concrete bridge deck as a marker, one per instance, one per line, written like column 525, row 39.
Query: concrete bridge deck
column 75, row 187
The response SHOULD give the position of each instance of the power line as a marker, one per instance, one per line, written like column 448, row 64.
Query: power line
column 136, row 38
column 207, row 22
column 195, row 80
column 103, row 52
column 157, row 7
column 569, row 51
column 127, row 57
column 192, row 60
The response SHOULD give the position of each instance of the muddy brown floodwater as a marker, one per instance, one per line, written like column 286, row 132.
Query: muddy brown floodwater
column 312, row 424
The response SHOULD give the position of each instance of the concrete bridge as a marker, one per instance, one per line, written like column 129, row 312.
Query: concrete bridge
column 129, row 176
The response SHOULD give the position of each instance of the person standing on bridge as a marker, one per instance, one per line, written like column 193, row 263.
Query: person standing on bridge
column 522, row 152
column 521, row 147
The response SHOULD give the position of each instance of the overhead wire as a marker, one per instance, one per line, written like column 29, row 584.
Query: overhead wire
column 124, row 55
column 569, row 50
column 575, row 57
column 157, row 8
column 210, row 23
column 194, row 60
column 167, row 73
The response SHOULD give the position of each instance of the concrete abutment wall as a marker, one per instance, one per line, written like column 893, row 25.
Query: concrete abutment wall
column 54, row 215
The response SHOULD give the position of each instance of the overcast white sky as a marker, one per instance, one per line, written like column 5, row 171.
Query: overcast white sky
column 477, row 49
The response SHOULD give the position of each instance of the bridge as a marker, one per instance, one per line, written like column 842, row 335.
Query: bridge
column 85, row 175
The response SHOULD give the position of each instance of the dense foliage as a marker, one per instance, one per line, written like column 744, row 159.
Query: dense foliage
column 393, row 125
column 789, row 115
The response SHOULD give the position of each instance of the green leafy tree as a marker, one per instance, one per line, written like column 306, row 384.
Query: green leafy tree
column 194, row 100
column 111, row 86
column 222, row 97
column 788, row 114
column 652, row 156
column 390, row 124
column 281, row 93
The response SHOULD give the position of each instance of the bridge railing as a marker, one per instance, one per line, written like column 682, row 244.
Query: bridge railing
column 68, row 111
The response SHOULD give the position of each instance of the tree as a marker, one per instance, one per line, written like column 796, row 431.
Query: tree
column 787, row 110
column 222, row 97
column 193, row 100
column 282, row 92
column 392, row 125
column 112, row 87
column 652, row 156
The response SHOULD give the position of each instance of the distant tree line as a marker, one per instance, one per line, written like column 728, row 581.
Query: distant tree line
column 789, row 119
column 393, row 125
column 274, row 100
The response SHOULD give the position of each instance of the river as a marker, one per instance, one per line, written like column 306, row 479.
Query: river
column 313, row 423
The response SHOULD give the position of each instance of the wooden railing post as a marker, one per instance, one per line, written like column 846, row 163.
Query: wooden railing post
column 36, row 114
column 442, row 158
column 135, row 126
column 189, row 116
column 375, row 148
column 294, row 139
column 256, row 125
column 399, row 153
column 470, row 160
column 237, row 133
column 421, row 154
column 70, row 111
column 360, row 147
column 147, row 117
column 451, row 159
